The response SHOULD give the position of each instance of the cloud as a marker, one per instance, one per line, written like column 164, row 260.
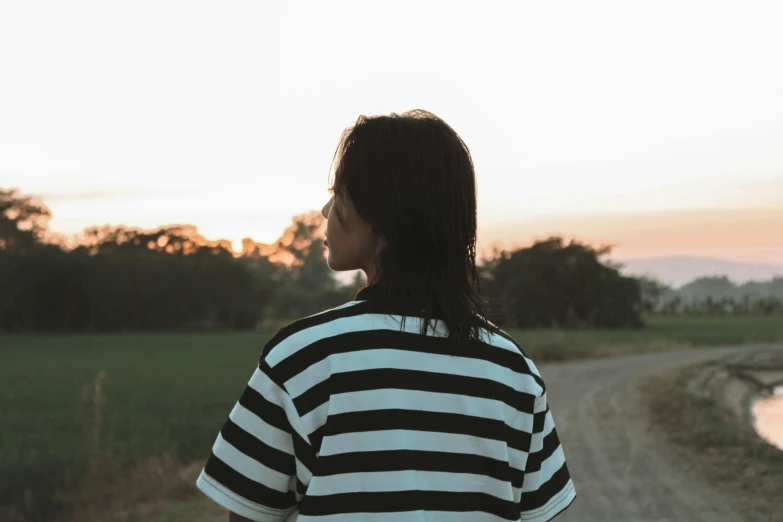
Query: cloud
column 58, row 197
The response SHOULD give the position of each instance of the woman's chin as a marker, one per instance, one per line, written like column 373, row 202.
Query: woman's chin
column 332, row 263
column 337, row 266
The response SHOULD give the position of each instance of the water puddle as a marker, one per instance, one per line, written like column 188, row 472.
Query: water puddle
column 768, row 414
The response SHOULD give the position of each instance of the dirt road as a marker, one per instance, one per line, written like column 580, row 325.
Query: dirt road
column 622, row 471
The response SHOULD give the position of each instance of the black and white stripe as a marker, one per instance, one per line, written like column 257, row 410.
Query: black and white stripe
column 352, row 417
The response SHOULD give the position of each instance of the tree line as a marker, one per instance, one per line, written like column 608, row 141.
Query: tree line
column 119, row 278
column 171, row 278
column 714, row 296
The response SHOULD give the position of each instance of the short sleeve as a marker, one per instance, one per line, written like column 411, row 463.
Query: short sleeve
column 254, row 464
column 547, row 488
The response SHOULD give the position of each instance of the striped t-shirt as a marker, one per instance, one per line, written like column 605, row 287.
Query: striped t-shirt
column 354, row 415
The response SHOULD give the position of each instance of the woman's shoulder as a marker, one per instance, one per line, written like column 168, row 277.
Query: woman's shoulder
column 300, row 333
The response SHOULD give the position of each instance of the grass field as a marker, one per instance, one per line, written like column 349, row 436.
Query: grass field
column 168, row 394
column 662, row 333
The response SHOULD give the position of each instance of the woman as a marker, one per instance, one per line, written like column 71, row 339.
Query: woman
column 404, row 404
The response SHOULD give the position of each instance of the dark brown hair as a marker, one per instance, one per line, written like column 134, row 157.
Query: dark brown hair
column 411, row 177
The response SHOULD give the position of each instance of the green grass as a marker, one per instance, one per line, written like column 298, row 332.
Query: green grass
column 662, row 333
column 170, row 393
column 163, row 393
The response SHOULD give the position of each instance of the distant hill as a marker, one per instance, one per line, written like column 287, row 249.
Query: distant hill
column 679, row 270
column 720, row 287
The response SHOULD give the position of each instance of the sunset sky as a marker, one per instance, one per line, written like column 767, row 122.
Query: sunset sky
column 657, row 127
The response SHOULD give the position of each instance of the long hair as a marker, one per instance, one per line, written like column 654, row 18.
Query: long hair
column 411, row 177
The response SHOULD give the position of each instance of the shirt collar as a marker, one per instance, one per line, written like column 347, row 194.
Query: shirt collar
column 399, row 297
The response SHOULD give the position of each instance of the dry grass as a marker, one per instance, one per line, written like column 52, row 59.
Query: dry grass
column 728, row 453
column 148, row 489
column 113, row 492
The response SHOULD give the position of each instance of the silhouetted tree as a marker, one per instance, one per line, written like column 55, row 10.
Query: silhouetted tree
column 551, row 284
column 23, row 221
column 307, row 285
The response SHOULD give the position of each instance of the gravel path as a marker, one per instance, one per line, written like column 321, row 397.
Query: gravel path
column 621, row 470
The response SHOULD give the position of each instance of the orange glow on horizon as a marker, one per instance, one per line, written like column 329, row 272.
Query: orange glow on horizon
column 741, row 234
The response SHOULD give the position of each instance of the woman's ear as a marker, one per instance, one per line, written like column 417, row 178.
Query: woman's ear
column 380, row 240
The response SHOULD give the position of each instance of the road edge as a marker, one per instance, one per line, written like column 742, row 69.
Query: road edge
column 705, row 416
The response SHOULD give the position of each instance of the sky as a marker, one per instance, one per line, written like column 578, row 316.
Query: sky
column 656, row 127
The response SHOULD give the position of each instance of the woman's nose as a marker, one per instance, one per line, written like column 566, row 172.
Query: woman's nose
column 325, row 210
